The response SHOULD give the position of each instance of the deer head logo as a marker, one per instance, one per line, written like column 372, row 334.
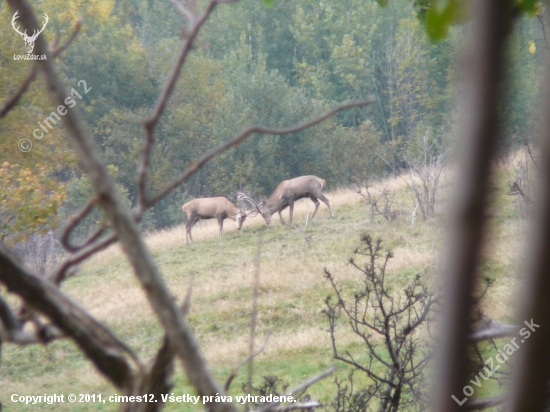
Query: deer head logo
column 29, row 40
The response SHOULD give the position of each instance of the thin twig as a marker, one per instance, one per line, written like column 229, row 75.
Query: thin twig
column 531, row 154
column 12, row 101
column 515, row 189
column 543, row 27
column 250, row 357
column 304, row 385
column 493, row 330
column 186, row 306
column 59, row 273
column 254, row 313
column 294, row 407
column 184, row 11
column 68, row 42
column 73, row 222
column 485, row 403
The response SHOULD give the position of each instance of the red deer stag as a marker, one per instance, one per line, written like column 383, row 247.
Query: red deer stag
column 212, row 207
column 287, row 193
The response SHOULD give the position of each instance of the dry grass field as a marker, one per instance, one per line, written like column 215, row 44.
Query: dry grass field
column 291, row 293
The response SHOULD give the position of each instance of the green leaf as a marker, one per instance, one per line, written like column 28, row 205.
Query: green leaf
column 440, row 18
column 269, row 3
column 437, row 25
column 529, row 6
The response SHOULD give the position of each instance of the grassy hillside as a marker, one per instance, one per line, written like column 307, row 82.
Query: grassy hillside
column 290, row 302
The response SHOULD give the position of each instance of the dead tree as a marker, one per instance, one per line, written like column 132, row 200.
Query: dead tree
column 425, row 163
column 382, row 204
column 523, row 185
column 425, row 166
column 387, row 325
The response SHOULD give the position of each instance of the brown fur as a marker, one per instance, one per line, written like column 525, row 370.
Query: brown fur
column 291, row 190
column 209, row 208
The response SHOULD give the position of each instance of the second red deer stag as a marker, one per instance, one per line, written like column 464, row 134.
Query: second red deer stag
column 209, row 208
column 287, row 193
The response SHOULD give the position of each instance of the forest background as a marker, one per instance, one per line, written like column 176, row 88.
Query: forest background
column 252, row 64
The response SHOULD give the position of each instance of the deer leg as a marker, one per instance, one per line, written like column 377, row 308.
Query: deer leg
column 281, row 216
column 220, row 224
column 326, row 202
column 290, row 210
column 316, row 202
column 189, row 226
column 187, row 229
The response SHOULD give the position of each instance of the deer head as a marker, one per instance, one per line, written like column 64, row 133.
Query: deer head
column 240, row 217
column 256, row 209
column 28, row 39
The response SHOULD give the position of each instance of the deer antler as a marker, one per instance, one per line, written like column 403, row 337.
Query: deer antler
column 35, row 35
column 245, row 198
column 15, row 16
column 25, row 35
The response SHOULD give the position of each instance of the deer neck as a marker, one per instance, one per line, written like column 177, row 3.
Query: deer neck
column 232, row 214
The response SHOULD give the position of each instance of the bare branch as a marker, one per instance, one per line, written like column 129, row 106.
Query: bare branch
column 526, row 143
column 12, row 101
column 60, row 272
column 186, row 306
column 254, row 313
column 305, row 385
column 493, row 330
column 250, row 357
column 68, row 42
column 184, row 11
column 157, row 380
column 126, row 229
column 540, row 18
column 193, row 167
column 387, row 212
column 7, row 317
column 165, row 95
column 22, row 337
column 485, row 403
column 73, row 221
column 293, row 407
column 124, row 223
column 95, row 339
column 515, row 189
column 481, row 97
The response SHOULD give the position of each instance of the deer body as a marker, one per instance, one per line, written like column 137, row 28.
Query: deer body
column 209, row 208
column 290, row 191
